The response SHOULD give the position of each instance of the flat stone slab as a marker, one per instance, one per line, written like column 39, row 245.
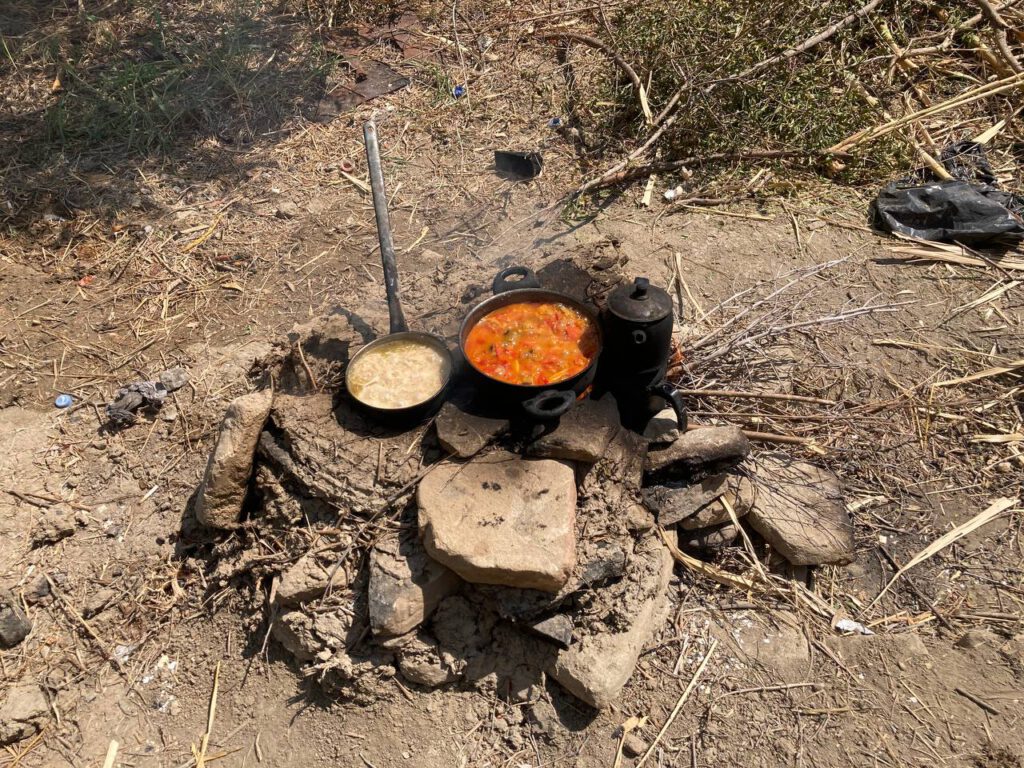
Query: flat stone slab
column 699, row 451
column 739, row 491
column 800, row 512
column 582, row 434
column 308, row 580
column 712, row 539
column 220, row 497
column 465, row 434
column 697, row 505
column 597, row 667
column 672, row 503
column 501, row 519
column 406, row 586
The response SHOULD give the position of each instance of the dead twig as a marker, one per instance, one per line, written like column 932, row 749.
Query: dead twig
column 611, row 53
column 200, row 753
column 978, row 700
column 731, row 393
column 679, row 704
column 990, row 513
column 664, row 120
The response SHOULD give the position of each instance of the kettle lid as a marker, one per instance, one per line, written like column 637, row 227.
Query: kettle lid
column 640, row 302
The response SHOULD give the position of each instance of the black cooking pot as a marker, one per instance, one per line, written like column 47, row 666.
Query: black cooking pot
column 541, row 402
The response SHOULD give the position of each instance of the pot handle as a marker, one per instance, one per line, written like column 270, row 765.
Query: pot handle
column 527, row 279
column 675, row 400
column 549, row 404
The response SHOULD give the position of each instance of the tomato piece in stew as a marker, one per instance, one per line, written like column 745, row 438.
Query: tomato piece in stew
column 532, row 343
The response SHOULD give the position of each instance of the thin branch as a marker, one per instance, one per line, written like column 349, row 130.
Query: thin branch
column 600, row 45
column 664, row 120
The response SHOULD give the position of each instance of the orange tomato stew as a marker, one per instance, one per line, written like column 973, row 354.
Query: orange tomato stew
column 532, row 343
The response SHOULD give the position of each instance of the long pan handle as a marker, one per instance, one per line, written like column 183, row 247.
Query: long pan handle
column 387, row 248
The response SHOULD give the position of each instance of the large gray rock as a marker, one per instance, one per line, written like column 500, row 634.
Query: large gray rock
column 501, row 519
column 800, row 512
column 14, row 624
column 596, row 667
column 307, row 580
column 466, row 434
column 220, row 497
column 582, row 434
column 22, row 712
column 405, row 586
column 700, row 451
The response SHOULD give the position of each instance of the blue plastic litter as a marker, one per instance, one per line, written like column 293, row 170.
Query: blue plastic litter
column 63, row 401
column 459, row 91
column 555, row 122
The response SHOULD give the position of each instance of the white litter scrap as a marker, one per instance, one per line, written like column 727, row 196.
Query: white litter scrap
column 851, row 626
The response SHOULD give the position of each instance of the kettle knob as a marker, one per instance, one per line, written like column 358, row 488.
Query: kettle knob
column 640, row 287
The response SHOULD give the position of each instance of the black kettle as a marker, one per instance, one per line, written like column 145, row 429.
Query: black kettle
column 637, row 326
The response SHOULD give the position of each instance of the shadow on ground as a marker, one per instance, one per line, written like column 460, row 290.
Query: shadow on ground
column 96, row 101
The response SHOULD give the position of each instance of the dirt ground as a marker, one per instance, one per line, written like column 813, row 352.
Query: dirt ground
column 167, row 262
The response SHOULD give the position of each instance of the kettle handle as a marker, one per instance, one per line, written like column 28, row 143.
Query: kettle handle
column 675, row 400
column 527, row 279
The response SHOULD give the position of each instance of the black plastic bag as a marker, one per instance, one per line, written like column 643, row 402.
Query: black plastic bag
column 969, row 209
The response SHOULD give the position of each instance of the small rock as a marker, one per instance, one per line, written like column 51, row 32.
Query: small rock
column 700, row 451
column 633, row 745
column 663, row 429
column 14, row 624
column 220, row 496
column 502, row 519
column 800, row 512
column 740, row 493
column 465, row 434
column 405, row 586
column 597, row 666
column 582, row 434
column 173, row 379
column 169, row 413
column 421, row 663
column 976, row 638
column 545, row 719
column 638, row 519
column 607, row 562
column 711, row 539
column 286, row 209
column 54, row 525
column 22, row 712
column 557, row 629
column 306, row 580
column 294, row 630
column 97, row 601
column 38, row 591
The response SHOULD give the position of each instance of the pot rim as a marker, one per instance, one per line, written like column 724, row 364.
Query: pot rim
column 380, row 341
column 516, row 296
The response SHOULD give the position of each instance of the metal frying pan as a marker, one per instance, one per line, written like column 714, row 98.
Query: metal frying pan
column 399, row 329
